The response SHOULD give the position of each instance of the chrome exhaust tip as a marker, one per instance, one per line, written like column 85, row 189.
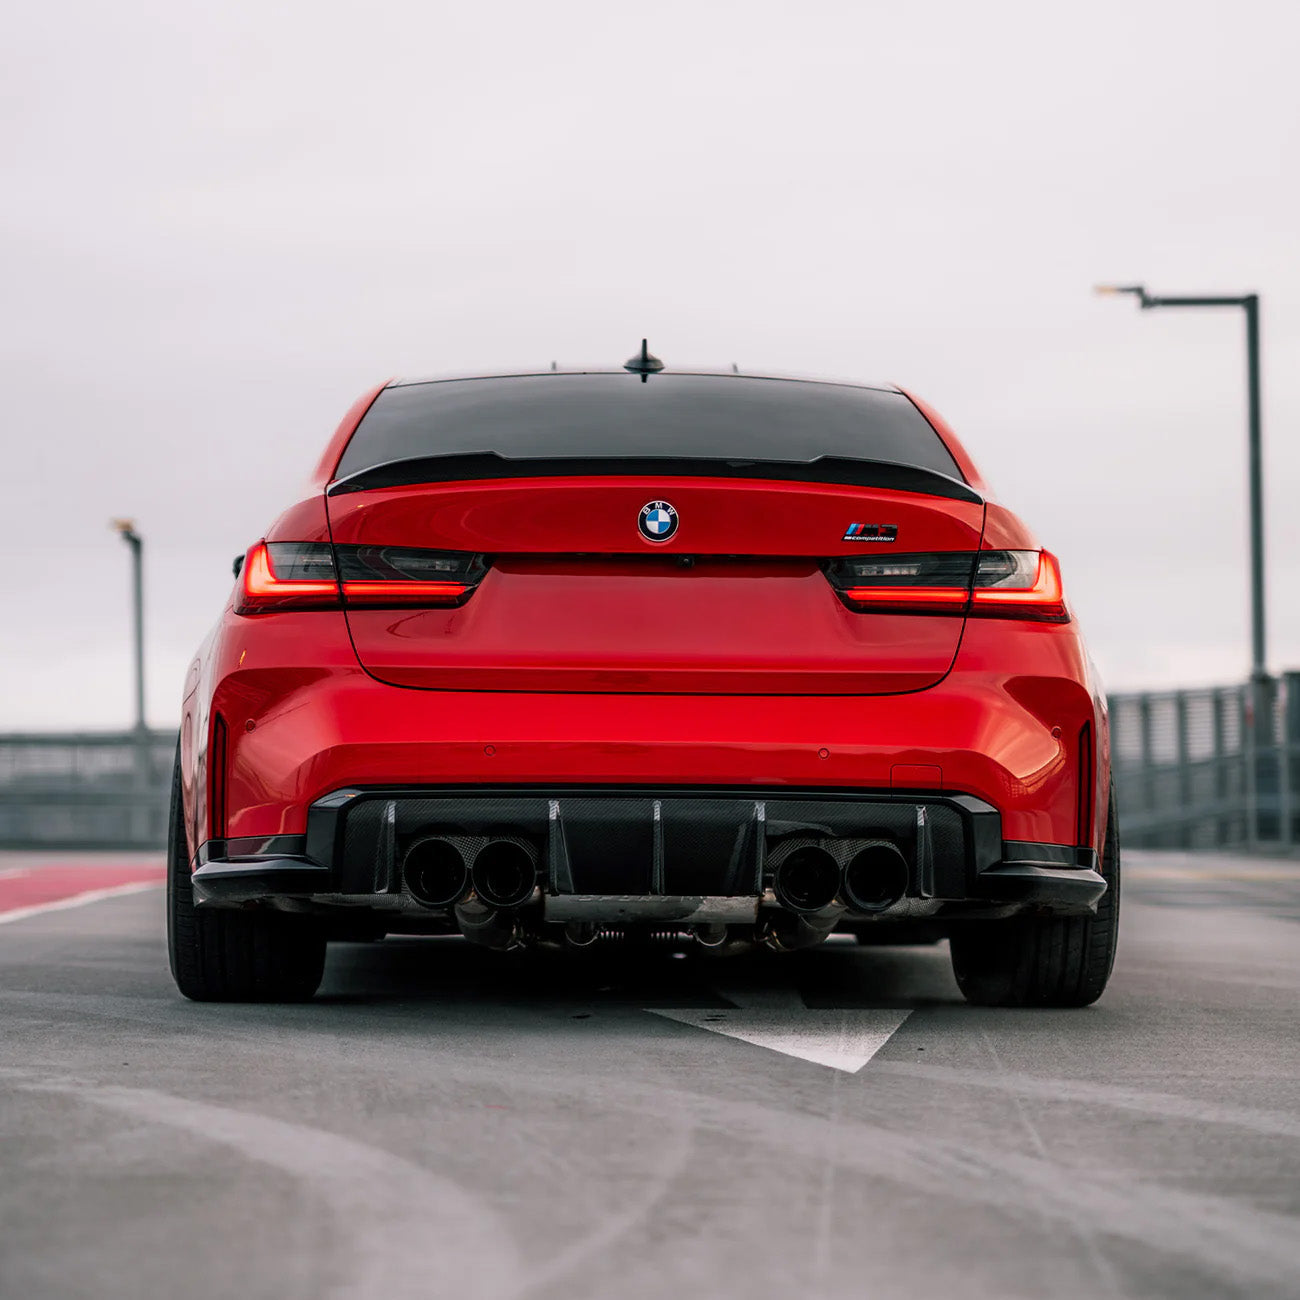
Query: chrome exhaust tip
column 435, row 873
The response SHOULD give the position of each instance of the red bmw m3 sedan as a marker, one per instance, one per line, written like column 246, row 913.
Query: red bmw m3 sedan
column 554, row 658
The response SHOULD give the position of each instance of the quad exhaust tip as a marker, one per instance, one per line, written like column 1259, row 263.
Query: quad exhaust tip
column 435, row 873
column 505, row 873
column 876, row 877
column 807, row 880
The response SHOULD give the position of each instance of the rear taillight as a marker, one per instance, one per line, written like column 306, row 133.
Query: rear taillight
column 1019, row 584
column 287, row 575
column 931, row 584
column 989, row 584
column 305, row 575
column 380, row 576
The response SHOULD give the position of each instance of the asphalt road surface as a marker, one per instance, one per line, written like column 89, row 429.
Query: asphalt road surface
column 443, row 1122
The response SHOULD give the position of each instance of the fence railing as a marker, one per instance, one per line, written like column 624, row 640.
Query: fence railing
column 1209, row 768
column 87, row 790
column 1194, row 769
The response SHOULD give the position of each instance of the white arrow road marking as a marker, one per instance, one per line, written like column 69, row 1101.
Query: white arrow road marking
column 777, row 1019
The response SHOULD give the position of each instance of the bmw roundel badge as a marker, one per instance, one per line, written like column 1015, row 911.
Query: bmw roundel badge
column 657, row 521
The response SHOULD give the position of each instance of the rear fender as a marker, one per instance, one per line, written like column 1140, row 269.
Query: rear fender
column 1045, row 669
column 257, row 671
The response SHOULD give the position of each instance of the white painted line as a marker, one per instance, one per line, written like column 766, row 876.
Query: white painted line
column 841, row 1039
column 79, row 900
column 8, row 873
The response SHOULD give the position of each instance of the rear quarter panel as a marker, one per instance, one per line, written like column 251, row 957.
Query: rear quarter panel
column 224, row 677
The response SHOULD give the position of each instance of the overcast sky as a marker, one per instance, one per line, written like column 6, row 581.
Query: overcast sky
column 222, row 221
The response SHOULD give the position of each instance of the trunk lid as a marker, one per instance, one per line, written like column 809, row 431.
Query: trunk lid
column 580, row 597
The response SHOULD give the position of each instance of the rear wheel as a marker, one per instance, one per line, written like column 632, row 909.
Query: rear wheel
column 1044, row 962
column 233, row 956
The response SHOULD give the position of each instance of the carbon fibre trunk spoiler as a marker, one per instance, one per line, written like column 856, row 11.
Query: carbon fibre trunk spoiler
column 478, row 466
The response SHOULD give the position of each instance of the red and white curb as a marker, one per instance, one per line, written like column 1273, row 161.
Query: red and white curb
column 27, row 891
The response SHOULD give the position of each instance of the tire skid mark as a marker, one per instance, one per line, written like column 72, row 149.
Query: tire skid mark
column 318, row 1157
column 154, row 1010
column 1162, row 1105
column 404, row 1231
column 1226, row 1238
column 613, row 1228
column 1102, row 1270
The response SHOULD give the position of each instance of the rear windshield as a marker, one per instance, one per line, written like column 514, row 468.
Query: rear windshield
column 672, row 416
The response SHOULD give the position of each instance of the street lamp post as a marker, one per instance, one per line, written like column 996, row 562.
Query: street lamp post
column 126, row 527
column 1250, row 304
column 1259, row 715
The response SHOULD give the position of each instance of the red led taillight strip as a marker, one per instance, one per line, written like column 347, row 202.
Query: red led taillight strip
column 1042, row 600
column 263, row 590
column 1045, row 599
column 403, row 593
column 945, row 599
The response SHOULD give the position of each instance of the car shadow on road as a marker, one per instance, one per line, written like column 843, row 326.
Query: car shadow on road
column 442, row 970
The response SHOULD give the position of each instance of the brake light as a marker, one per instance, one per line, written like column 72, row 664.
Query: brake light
column 305, row 575
column 990, row 584
column 288, row 575
column 384, row 576
column 941, row 600
column 937, row 583
column 1019, row 584
column 403, row 593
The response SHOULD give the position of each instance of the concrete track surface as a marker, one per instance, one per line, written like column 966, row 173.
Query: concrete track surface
column 443, row 1122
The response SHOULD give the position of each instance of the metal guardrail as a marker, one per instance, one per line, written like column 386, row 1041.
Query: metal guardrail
column 1196, row 769
column 1209, row 768
column 86, row 790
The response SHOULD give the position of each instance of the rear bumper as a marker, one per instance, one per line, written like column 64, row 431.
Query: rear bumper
column 303, row 720
column 1064, row 890
column 667, row 855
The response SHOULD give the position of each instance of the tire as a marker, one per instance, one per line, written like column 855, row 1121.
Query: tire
column 220, row 955
column 1044, row 962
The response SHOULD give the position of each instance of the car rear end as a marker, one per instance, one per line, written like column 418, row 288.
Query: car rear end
column 547, row 656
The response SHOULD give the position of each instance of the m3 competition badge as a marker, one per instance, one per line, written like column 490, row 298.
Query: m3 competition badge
column 871, row 533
